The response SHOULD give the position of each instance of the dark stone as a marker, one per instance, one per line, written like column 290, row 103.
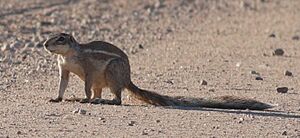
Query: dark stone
column 131, row 123
column 284, row 133
column 258, row 78
column 141, row 46
column 278, row 52
column 272, row 35
column 282, row 89
column 203, row 82
column 288, row 73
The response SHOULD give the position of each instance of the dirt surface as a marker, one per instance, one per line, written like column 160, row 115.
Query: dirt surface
column 172, row 46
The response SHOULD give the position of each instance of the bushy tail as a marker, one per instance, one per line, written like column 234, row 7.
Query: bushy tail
column 152, row 97
column 224, row 102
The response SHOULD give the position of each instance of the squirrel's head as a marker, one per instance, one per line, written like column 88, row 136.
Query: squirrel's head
column 60, row 43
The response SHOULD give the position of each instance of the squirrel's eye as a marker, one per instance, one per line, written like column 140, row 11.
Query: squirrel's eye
column 60, row 39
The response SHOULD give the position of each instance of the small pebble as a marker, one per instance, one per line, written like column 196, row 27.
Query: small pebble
column 254, row 72
column 296, row 37
column 215, row 127
column 211, row 90
column 238, row 64
column 170, row 82
column 282, row 89
column 79, row 111
column 44, row 23
column 272, row 35
column 241, row 120
column 284, row 133
column 132, row 50
column 102, row 119
column 82, row 112
column 75, row 111
column 131, row 123
column 141, row 46
column 278, row 52
column 169, row 30
column 203, row 82
column 288, row 73
column 258, row 78
column 144, row 133
column 19, row 132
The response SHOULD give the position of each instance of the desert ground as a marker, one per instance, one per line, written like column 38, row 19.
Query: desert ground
column 173, row 46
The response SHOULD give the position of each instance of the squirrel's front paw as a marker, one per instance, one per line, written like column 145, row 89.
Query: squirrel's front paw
column 56, row 100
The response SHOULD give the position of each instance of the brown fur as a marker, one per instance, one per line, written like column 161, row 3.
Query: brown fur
column 100, row 64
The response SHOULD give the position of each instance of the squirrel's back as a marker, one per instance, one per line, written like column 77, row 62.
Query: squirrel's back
column 104, row 46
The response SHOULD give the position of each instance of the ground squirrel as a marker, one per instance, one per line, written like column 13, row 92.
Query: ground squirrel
column 100, row 64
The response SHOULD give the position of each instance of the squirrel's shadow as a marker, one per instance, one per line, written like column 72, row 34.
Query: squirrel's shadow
column 269, row 113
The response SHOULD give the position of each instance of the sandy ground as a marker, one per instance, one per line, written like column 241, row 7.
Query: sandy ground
column 172, row 46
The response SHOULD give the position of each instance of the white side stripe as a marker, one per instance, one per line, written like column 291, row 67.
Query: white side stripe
column 100, row 51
